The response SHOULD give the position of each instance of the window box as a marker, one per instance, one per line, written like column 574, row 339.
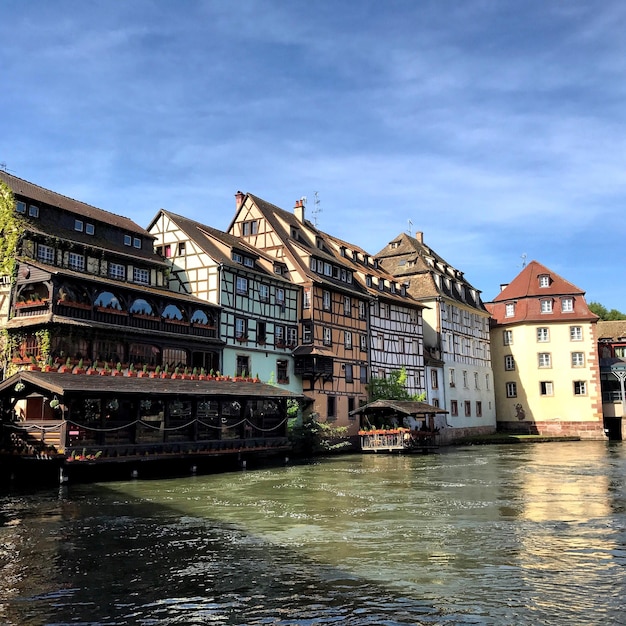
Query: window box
column 31, row 304
column 75, row 305
column 242, row 338
column 108, row 309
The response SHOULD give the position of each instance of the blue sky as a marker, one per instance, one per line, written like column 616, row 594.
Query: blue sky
column 497, row 128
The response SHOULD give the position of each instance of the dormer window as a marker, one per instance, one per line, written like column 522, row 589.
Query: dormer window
column 278, row 269
column 546, row 306
column 33, row 211
column 509, row 309
column 567, row 305
column 394, row 245
column 248, row 262
column 368, row 280
column 128, row 240
column 90, row 229
column 544, row 280
column 78, row 225
column 20, row 206
column 381, row 284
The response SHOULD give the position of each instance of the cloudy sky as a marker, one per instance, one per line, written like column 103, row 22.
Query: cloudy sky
column 495, row 127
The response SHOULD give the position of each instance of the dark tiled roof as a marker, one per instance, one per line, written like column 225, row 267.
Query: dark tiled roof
column 33, row 192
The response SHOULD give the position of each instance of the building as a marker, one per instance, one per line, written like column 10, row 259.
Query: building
column 612, row 353
column 456, row 336
column 545, row 359
column 259, row 304
column 330, row 358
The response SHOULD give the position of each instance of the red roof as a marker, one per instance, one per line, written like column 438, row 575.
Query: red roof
column 533, row 285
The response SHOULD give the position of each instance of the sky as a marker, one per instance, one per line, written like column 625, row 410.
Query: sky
column 496, row 128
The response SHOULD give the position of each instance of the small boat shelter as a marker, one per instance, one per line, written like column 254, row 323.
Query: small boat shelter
column 398, row 426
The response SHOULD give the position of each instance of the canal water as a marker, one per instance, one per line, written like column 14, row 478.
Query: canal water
column 519, row 534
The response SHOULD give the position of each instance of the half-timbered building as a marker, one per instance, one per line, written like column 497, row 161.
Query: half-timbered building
column 458, row 369
column 259, row 304
column 331, row 357
column 395, row 337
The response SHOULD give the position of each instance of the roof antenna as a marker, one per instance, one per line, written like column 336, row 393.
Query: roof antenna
column 410, row 227
column 523, row 260
column 316, row 208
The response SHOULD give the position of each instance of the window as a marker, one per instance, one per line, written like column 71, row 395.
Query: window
column 292, row 335
column 328, row 338
column 545, row 359
column 363, row 377
column 509, row 363
column 567, row 305
column 347, row 307
column 546, row 388
column 452, row 379
column 307, row 333
column 509, row 309
column 368, row 280
column 546, row 306
column 349, row 375
column 248, row 262
column 479, row 408
column 543, row 334
column 282, row 371
column 576, row 333
column 361, row 310
column 468, row 408
column 33, row 211
column 348, row 340
column 544, row 280
column 511, row 390
column 45, row 253
column 280, row 297
column 465, row 384
column 363, row 343
column 264, row 293
column 141, row 276
column 242, row 366
column 279, row 335
column 20, row 206
column 242, row 285
column 328, row 269
column 237, row 258
column 90, row 229
column 241, row 331
column 454, row 407
column 487, row 383
column 434, row 379
column 507, row 337
column 261, row 332
column 137, row 243
column 78, row 225
column 476, row 380
column 76, row 262
column 128, row 240
column 580, row 388
column 401, row 349
column 326, row 300
column 331, row 406
column 384, row 310
column 578, row 359
column 181, row 247
column 117, row 271
column 307, row 298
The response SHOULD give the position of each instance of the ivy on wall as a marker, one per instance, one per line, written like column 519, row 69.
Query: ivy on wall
column 12, row 228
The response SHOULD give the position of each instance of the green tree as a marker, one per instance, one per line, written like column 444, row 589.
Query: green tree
column 392, row 387
column 309, row 436
column 604, row 314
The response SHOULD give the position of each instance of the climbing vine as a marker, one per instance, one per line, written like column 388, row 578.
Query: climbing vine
column 44, row 342
column 12, row 228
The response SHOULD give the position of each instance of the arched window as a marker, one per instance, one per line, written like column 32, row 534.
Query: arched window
column 201, row 317
column 141, row 306
column 109, row 300
column 172, row 312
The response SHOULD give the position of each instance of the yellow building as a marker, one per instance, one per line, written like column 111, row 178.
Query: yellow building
column 544, row 357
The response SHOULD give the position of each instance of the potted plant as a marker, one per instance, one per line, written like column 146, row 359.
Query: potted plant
column 67, row 368
column 144, row 372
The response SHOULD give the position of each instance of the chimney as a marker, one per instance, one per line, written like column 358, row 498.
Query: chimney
column 239, row 196
column 299, row 211
column 419, row 235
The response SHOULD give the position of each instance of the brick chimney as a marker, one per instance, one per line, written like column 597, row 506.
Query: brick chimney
column 298, row 210
column 419, row 235
column 239, row 196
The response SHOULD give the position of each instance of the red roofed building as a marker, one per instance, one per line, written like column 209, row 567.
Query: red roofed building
column 544, row 357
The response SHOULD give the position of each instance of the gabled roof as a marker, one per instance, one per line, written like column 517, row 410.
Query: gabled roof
column 526, row 293
column 430, row 276
column 36, row 193
column 206, row 237
column 611, row 330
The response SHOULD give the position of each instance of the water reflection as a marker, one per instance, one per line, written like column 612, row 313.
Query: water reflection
column 485, row 535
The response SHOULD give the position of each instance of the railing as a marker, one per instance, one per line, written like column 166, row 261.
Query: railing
column 396, row 439
column 612, row 396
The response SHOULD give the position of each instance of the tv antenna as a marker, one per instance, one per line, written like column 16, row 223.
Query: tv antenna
column 410, row 227
column 524, row 255
column 316, row 208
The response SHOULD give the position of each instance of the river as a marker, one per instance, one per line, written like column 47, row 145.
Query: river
column 517, row 534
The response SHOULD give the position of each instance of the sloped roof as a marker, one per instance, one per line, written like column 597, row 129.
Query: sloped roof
column 429, row 275
column 525, row 292
column 613, row 330
column 36, row 193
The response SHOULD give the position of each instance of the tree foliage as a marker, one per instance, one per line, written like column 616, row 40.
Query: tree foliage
column 604, row 314
column 392, row 387
column 309, row 436
column 11, row 229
